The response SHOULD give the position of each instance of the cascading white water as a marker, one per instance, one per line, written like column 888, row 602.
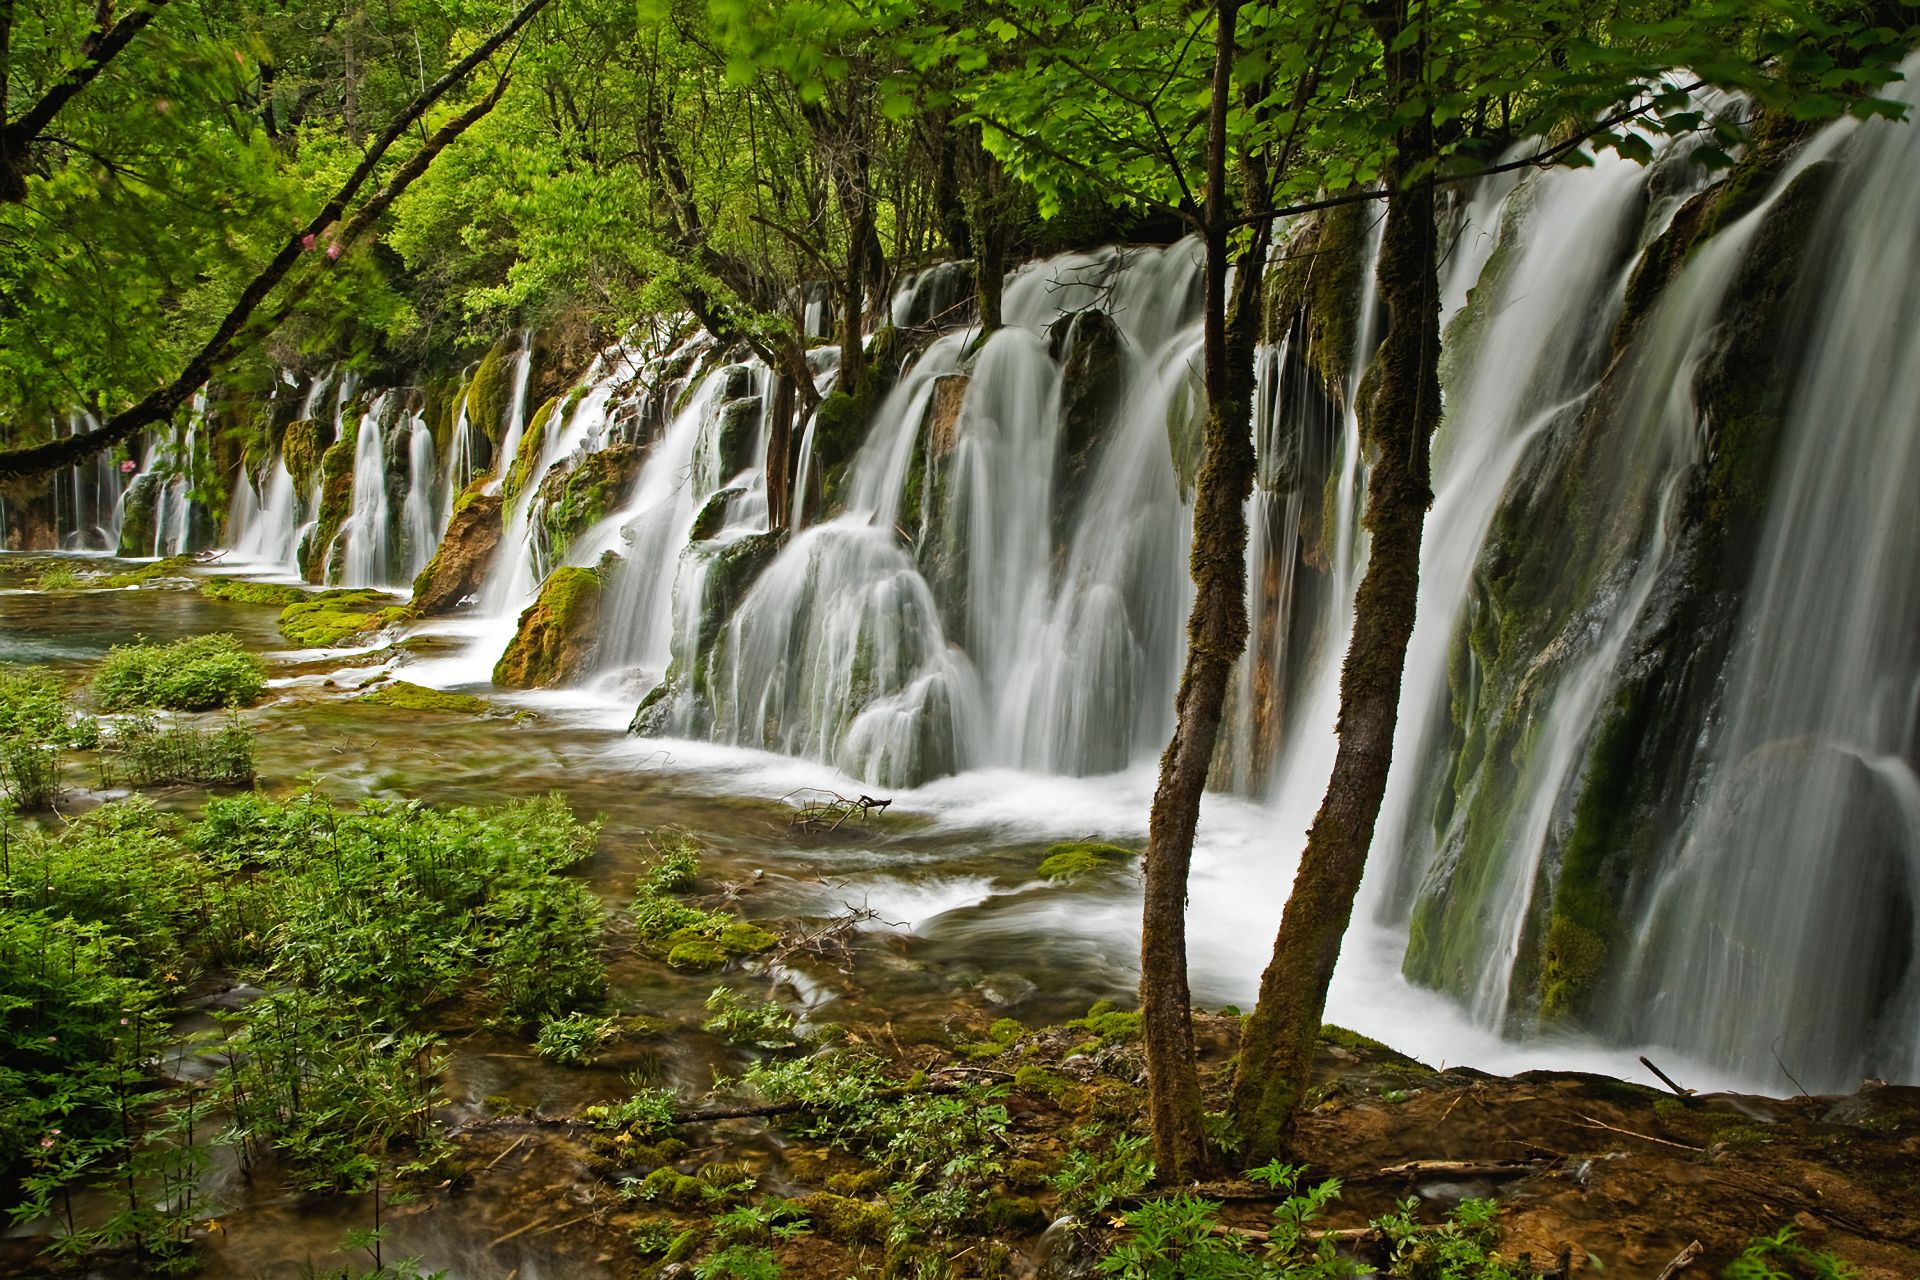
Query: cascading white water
column 366, row 533
column 421, row 518
column 266, row 529
column 1785, row 934
column 515, row 424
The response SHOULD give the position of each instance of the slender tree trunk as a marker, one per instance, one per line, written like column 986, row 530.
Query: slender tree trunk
column 780, row 454
column 1216, row 636
column 1402, row 410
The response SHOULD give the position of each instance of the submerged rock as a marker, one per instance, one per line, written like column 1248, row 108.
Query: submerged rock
column 319, row 550
column 335, row 618
column 558, row 632
column 460, row 565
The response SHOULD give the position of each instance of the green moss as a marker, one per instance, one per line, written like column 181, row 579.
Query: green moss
column 171, row 567
column 527, row 456
column 1110, row 1024
column 575, row 500
column 669, row 1187
column 412, row 697
column 840, row 424
column 335, row 618
column 300, row 450
column 490, row 394
column 1072, row 859
column 336, row 504
column 846, row 1220
column 239, row 591
column 557, row 634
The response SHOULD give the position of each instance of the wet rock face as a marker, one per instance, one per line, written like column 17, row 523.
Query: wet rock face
column 572, row 501
column 137, row 515
column 460, row 565
column 322, row 547
column 1092, row 353
column 558, row 632
column 943, row 413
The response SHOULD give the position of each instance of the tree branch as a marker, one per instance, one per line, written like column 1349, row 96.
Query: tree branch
column 159, row 404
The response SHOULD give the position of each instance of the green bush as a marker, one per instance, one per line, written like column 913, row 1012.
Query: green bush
column 34, row 707
column 196, row 674
column 144, row 752
column 29, row 774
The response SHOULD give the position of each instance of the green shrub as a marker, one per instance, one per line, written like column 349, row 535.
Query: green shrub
column 146, row 752
column 196, row 674
column 573, row 1039
column 29, row 774
column 686, row 936
column 34, row 707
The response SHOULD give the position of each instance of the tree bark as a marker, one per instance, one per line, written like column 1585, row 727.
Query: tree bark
column 1402, row 409
column 1216, row 637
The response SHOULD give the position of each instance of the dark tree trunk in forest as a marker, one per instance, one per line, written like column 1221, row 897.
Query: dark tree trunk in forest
column 780, row 454
column 1402, row 409
column 1216, row 637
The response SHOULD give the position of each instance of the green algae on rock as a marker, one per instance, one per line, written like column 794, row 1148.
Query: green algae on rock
column 1071, row 859
column 558, row 632
column 404, row 696
column 335, row 618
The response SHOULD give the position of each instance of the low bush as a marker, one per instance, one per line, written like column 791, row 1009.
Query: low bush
column 35, row 707
column 197, row 674
column 144, row 751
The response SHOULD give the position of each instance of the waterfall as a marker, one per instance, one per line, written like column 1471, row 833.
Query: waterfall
column 265, row 521
column 1785, row 935
column 422, row 517
column 365, row 533
column 516, row 422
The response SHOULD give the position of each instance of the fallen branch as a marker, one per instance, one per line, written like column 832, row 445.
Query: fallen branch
column 832, row 813
column 1683, row 1259
column 1591, row 1123
column 1665, row 1079
column 1465, row 1169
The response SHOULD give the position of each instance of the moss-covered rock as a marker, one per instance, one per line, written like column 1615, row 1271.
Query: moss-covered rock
column 558, row 633
column 318, row 551
column 712, row 516
column 846, row 1220
column 335, row 618
column 1564, row 546
column 138, row 506
column 490, row 393
column 240, row 591
column 465, row 553
column 1072, row 859
column 573, row 501
column 734, row 430
column 300, row 450
column 403, row 696
column 527, row 456
column 1318, row 277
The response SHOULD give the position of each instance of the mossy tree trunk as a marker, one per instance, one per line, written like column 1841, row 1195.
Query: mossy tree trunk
column 1402, row 409
column 1216, row 637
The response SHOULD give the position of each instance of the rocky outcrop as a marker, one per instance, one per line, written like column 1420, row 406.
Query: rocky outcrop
column 1092, row 354
column 558, row 632
column 460, row 565
column 318, row 553
column 572, row 501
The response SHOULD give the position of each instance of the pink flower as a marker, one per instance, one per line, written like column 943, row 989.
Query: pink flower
column 127, row 468
column 306, row 241
column 333, row 251
column 46, row 1142
column 123, row 1022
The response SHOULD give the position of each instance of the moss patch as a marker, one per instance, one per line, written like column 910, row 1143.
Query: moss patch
column 575, row 500
column 1072, row 859
column 333, row 618
column 413, row 697
column 239, row 591
column 527, row 457
column 558, row 632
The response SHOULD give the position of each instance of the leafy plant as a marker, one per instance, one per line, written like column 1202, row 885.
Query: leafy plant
column 144, row 751
column 1781, row 1256
column 768, row 1025
column 574, row 1038
column 195, row 674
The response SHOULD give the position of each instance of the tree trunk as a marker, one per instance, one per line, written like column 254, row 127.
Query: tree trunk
column 780, row 454
column 1402, row 409
column 1216, row 636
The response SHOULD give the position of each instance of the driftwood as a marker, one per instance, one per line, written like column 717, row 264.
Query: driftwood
column 1665, row 1079
column 1685, row 1257
column 1465, row 1169
column 829, row 811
